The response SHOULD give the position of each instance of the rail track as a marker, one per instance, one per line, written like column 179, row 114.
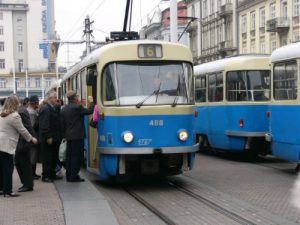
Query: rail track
column 168, row 219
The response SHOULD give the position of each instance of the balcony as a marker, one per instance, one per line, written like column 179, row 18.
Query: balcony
column 226, row 46
column 13, row 7
column 278, row 24
column 226, row 10
column 205, row 20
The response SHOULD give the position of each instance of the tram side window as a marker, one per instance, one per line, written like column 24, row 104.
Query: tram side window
column 83, row 86
column 215, row 87
column 108, row 86
column 200, row 89
column 285, row 81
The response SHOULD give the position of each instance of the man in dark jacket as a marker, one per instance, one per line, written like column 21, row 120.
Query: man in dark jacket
column 72, row 121
column 49, row 136
column 22, row 157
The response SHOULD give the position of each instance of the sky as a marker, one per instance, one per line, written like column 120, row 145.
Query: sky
column 108, row 15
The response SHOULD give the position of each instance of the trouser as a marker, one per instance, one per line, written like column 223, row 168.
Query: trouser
column 24, row 167
column 7, row 168
column 49, row 153
column 74, row 158
column 33, row 158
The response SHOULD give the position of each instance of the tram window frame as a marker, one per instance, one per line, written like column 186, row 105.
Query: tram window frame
column 83, row 86
column 241, row 88
column 287, row 82
column 200, row 89
column 109, row 100
column 215, row 83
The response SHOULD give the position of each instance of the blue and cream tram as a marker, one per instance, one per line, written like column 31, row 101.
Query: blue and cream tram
column 285, row 105
column 145, row 94
column 232, row 96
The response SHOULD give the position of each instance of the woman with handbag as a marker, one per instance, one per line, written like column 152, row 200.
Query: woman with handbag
column 10, row 128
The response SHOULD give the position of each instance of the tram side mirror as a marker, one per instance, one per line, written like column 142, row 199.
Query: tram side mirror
column 90, row 77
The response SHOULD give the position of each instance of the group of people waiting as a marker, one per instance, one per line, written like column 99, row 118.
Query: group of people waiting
column 25, row 125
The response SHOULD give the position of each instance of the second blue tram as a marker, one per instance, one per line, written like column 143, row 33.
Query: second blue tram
column 232, row 96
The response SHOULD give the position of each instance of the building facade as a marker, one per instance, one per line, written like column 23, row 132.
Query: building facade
column 158, row 27
column 27, row 64
column 214, row 34
column 268, row 24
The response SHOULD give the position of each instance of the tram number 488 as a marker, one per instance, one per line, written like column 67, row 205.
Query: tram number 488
column 156, row 123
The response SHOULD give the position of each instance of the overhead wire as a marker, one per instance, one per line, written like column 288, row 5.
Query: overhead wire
column 71, row 32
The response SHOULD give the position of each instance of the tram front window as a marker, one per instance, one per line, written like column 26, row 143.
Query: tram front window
column 147, row 83
column 248, row 86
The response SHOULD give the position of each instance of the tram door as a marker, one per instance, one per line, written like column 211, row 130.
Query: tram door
column 92, row 133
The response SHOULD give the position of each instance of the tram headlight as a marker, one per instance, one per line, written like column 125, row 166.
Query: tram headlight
column 183, row 135
column 128, row 136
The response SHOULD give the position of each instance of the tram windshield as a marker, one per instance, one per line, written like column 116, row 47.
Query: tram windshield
column 147, row 83
column 248, row 85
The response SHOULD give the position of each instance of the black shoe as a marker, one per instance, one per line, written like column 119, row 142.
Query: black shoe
column 56, row 178
column 77, row 180
column 36, row 177
column 47, row 180
column 1, row 192
column 25, row 189
column 11, row 195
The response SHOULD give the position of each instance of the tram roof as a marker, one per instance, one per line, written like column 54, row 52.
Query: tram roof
column 93, row 58
column 287, row 52
column 222, row 64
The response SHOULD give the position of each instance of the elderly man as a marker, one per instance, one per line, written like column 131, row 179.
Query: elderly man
column 72, row 122
column 49, row 137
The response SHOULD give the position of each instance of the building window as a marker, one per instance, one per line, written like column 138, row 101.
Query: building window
column 262, row 47
column 204, row 10
column 200, row 91
column 48, row 82
column 284, row 10
column 20, row 46
column 1, row 16
column 262, row 17
column 28, row 82
column 215, row 87
column 2, row 83
column 273, row 45
column 2, row 63
column 244, row 24
column 212, row 7
column 37, row 82
column 17, row 83
column 272, row 11
column 1, row 30
column 252, row 23
column 21, row 64
column 296, row 7
column 2, row 46
column 253, row 47
column 285, row 81
column 219, row 4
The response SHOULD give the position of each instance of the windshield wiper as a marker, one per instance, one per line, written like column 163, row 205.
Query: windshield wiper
column 155, row 92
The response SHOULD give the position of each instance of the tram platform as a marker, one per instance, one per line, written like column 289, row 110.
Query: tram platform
column 59, row 203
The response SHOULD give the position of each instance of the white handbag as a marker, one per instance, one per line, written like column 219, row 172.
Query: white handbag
column 62, row 153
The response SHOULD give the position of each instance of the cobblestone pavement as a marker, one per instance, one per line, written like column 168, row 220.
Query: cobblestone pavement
column 267, row 187
column 39, row 207
column 259, row 192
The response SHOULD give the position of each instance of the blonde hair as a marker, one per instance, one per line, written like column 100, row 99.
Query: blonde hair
column 11, row 105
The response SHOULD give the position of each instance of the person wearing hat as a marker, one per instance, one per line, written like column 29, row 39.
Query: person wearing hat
column 32, row 110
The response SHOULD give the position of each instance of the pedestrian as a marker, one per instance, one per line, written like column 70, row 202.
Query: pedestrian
column 22, row 156
column 34, row 150
column 10, row 128
column 72, row 121
column 49, row 136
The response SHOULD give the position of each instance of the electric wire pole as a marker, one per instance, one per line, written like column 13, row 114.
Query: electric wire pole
column 88, row 33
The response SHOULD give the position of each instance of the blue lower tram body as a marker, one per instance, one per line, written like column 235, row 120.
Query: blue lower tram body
column 285, row 132
column 221, row 125
column 155, row 140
